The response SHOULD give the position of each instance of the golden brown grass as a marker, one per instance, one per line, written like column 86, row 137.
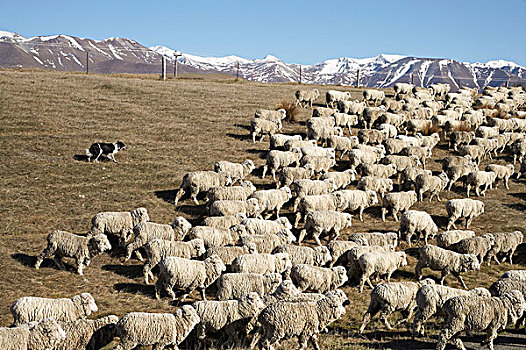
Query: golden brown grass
column 170, row 128
column 292, row 110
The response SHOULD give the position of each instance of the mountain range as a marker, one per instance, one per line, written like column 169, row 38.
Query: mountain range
column 122, row 55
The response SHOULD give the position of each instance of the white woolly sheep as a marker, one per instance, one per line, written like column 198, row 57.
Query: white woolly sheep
column 515, row 274
column 342, row 144
column 476, row 152
column 447, row 238
column 302, row 319
column 322, row 132
column 272, row 200
column 353, row 254
column 291, row 144
column 201, row 181
column 307, row 187
column 373, row 96
column 262, row 263
column 288, row 175
column 446, row 261
column 478, row 246
column 306, row 97
column 415, row 126
column 356, row 200
column 372, row 136
column 338, row 251
column 415, row 222
column 318, row 151
column 352, row 107
column 371, row 115
column 158, row 249
column 422, row 153
column 379, row 185
column 480, row 179
column 391, row 297
column 331, row 201
column 396, row 120
column 28, row 309
column 323, row 112
column 224, row 222
column 431, row 298
column 267, row 243
column 321, row 164
column 32, row 336
column 393, row 105
column 379, row 263
column 324, row 221
column 231, row 286
column 340, row 179
column 265, row 227
column 263, row 127
column 409, row 174
column 279, row 159
column 317, row 256
column 118, row 223
column 213, row 237
column 390, row 130
column 88, row 334
column 518, row 149
column 81, row 248
column 430, row 141
column 277, row 141
column 403, row 88
column 159, row 330
column 378, row 170
column 236, row 171
column 456, row 172
column 318, row 279
column 361, row 156
column 345, row 120
column 428, row 183
column 239, row 193
column 401, row 162
column 187, row 275
column 439, row 90
column 504, row 285
column 463, row 208
column 332, row 97
column 487, row 314
column 394, row 145
column 502, row 172
column 397, row 202
column 375, row 238
column 269, row 114
column 230, row 253
column 249, row 207
column 505, row 244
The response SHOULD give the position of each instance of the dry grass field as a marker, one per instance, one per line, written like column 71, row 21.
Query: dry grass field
column 170, row 128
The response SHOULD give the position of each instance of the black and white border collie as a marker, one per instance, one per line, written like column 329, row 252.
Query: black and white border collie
column 108, row 149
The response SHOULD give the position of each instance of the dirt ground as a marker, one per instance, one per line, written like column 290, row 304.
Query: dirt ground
column 48, row 119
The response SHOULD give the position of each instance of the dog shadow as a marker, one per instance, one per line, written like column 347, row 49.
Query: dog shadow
column 166, row 195
column 135, row 288
column 242, row 126
column 84, row 158
column 238, row 136
column 128, row 271
column 29, row 260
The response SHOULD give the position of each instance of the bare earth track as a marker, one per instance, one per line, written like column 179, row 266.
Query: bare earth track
column 170, row 128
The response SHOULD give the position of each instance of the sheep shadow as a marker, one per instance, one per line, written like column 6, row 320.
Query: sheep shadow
column 238, row 136
column 191, row 210
column 518, row 195
column 128, row 271
column 135, row 288
column 440, row 221
column 517, row 206
column 398, row 344
column 242, row 126
column 262, row 154
column 413, row 252
column 166, row 195
column 29, row 260
column 520, row 255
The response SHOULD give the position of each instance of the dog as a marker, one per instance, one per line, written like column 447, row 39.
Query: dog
column 104, row 148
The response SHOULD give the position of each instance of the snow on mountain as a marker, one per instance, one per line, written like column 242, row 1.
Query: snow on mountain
column 10, row 37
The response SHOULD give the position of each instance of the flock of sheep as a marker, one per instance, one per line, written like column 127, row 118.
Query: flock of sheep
column 268, row 286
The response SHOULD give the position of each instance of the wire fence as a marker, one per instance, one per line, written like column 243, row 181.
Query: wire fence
column 109, row 59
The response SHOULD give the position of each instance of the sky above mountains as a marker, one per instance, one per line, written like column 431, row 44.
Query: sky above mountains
column 303, row 32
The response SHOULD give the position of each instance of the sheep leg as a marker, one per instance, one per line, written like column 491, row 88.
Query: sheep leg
column 58, row 261
column 178, row 195
column 383, row 317
column 418, row 269
column 459, row 278
column 451, row 222
column 296, row 203
column 278, row 208
column 443, row 276
column 314, row 341
column 273, row 172
column 138, row 255
column 506, row 183
column 469, row 187
column 298, row 217
column 361, row 213
column 126, row 345
column 302, row 342
column 194, row 191
column 80, row 266
column 316, row 236
column 203, row 293
column 395, row 214
column 302, row 235
column 468, row 221
column 46, row 254
column 492, row 334
column 169, row 290
column 146, row 270
column 384, row 211
column 449, row 333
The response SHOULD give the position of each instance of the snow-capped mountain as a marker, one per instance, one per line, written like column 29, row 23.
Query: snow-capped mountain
column 121, row 55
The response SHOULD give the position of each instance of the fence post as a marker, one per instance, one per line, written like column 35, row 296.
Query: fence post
column 412, row 81
column 87, row 62
column 358, row 78
column 300, row 74
column 237, row 71
column 163, row 68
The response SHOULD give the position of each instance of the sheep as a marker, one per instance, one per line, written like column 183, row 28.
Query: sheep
column 224, row 222
column 359, row 156
column 515, row 274
column 345, row 120
column 331, row 201
column 417, row 222
column 430, row 299
column 263, row 127
column 478, row 246
column 480, row 179
column 394, row 146
column 338, row 251
column 239, row 193
column 372, row 136
column 301, row 319
column 421, row 153
column 446, row 261
column 29, row 309
column 352, row 107
column 236, row 171
column 487, row 131
column 262, row 263
column 397, row 202
column 371, row 115
column 229, row 316
column 518, row 149
column 272, row 200
column 87, row 334
column 476, row 152
column 447, row 238
column 505, row 244
column 323, row 112
column 267, row 243
column 415, row 126
column 489, row 145
column 504, row 285
column 229, row 253
column 265, row 227
column 463, row 208
column 357, row 200
column 403, row 88
column 322, row 133
column 213, row 237
column 82, row 249
column 502, row 172
column 277, row 141
column 379, row 263
column 392, row 105
column 455, row 172
column 378, row 170
column 375, row 238
column 318, row 279
column 291, row 144
column 401, row 162
column 373, row 96
column 306, row 97
column 160, row 330
column 350, row 258
column 480, row 314
column 439, row 90
column 342, row 144
column 32, row 336
column 307, row 187
column 318, row 151
column 286, row 290
column 324, row 221
column 279, row 159
column 288, row 175
column 249, row 207
column 430, row 141
column 321, row 121
column 321, row 164
column 232, row 286
column 391, row 297
column 397, row 120
column 201, row 181
column 409, row 174
column 429, row 183
column 269, row 114
column 118, row 223
column 332, row 97
column 187, row 275
column 340, row 179
column 317, row 256
column 388, row 129
column 379, row 185
column 158, row 249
